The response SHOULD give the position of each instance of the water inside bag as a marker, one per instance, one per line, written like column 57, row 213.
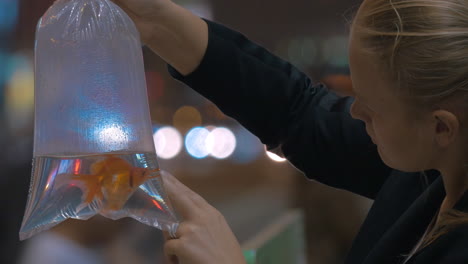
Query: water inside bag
column 80, row 187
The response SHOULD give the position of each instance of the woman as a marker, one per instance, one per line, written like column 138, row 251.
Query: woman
column 408, row 62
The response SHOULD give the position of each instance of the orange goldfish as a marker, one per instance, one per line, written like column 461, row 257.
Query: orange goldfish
column 114, row 179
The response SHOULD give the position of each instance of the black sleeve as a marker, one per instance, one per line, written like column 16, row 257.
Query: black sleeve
column 279, row 104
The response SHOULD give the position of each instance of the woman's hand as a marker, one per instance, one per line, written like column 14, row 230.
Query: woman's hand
column 203, row 237
column 174, row 33
column 144, row 13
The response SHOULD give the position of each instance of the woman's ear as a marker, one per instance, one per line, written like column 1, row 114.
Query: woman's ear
column 446, row 127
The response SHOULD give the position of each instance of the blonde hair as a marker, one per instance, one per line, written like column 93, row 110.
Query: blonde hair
column 423, row 46
column 422, row 43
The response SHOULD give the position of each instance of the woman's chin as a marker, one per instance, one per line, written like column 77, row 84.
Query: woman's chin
column 397, row 164
column 389, row 162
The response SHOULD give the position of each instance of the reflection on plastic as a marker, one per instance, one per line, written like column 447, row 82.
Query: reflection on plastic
column 93, row 146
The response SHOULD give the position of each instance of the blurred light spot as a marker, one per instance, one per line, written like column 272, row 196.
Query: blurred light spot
column 196, row 142
column 187, row 117
column 168, row 142
column 309, row 50
column 339, row 83
column 335, row 51
column 294, row 52
column 19, row 92
column 5, row 68
column 275, row 157
column 155, row 84
column 8, row 15
column 303, row 51
column 112, row 137
column 221, row 142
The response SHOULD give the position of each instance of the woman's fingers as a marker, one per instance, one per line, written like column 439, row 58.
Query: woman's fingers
column 181, row 202
column 187, row 203
column 203, row 237
column 170, row 249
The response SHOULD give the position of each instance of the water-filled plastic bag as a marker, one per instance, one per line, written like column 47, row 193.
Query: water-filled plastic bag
column 93, row 145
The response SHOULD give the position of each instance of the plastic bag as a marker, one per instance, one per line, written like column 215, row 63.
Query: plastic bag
column 93, row 145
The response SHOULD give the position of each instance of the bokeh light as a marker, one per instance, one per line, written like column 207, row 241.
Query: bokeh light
column 196, row 142
column 335, row 51
column 186, row 118
column 168, row 142
column 8, row 15
column 19, row 92
column 221, row 142
column 155, row 85
column 274, row 157
column 303, row 51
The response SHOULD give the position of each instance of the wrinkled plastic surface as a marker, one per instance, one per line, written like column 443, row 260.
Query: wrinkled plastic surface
column 93, row 144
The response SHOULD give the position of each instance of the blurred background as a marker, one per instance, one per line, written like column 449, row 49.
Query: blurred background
column 249, row 185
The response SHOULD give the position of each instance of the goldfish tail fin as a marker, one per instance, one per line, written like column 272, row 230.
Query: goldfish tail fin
column 92, row 185
column 140, row 175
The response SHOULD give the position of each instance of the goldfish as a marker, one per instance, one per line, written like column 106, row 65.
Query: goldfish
column 113, row 180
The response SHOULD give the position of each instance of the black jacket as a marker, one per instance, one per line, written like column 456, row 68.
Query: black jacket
column 315, row 132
